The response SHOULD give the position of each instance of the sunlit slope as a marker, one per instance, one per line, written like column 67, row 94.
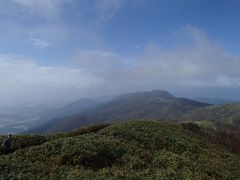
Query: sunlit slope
column 134, row 150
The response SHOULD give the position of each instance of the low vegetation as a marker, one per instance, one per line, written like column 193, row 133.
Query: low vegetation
column 227, row 114
column 133, row 150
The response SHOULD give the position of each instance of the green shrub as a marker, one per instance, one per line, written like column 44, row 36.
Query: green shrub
column 130, row 150
column 24, row 141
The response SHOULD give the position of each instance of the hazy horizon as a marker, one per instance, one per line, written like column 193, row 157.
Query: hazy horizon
column 57, row 51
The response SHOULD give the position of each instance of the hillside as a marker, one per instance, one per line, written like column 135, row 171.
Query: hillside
column 214, row 100
column 73, row 108
column 132, row 150
column 222, row 117
column 157, row 105
column 227, row 113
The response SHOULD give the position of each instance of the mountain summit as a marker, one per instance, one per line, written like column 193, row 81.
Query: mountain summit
column 156, row 104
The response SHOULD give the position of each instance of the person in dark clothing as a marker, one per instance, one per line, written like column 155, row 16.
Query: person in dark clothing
column 8, row 144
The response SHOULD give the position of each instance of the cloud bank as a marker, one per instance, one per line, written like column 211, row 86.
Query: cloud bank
column 200, row 62
column 193, row 61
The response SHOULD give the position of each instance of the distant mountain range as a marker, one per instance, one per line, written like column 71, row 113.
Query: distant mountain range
column 157, row 105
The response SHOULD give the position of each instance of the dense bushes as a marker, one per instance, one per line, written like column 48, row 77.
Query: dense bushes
column 81, row 131
column 224, row 135
column 92, row 151
column 24, row 141
column 133, row 150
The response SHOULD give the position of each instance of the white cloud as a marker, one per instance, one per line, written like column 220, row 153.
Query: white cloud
column 58, row 21
column 98, row 61
column 199, row 63
column 40, row 44
column 26, row 80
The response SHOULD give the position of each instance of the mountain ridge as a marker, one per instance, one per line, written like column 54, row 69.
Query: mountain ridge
column 156, row 104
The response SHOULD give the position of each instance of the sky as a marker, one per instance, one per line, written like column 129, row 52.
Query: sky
column 56, row 51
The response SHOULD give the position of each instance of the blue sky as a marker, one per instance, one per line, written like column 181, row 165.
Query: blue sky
column 60, row 50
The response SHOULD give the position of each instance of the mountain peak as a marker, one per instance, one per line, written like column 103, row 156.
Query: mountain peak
column 162, row 93
column 158, row 93
column 155, row 104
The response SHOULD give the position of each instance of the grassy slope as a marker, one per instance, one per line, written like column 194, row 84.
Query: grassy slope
column 228, row 113
column 225, row 118
column 136, row 149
